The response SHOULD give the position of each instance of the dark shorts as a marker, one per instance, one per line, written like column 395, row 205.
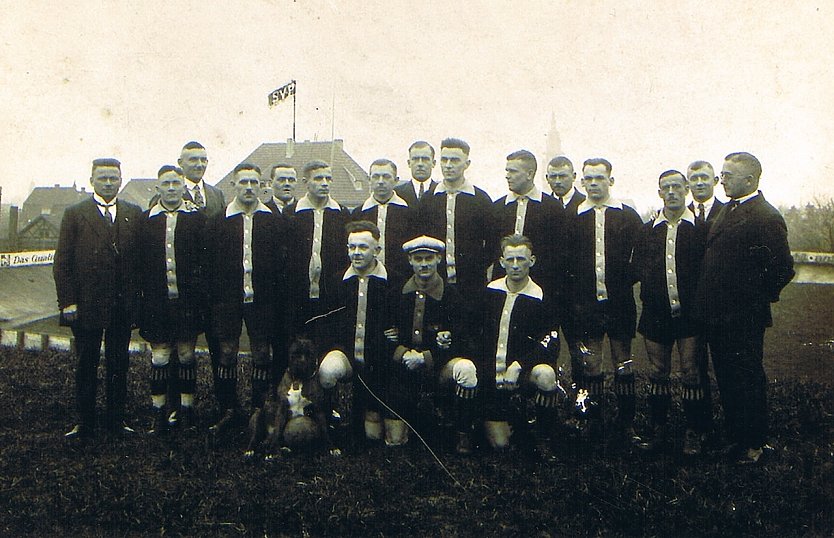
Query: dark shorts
column 662, row 328
column 617, row 319
column 170, row 321
column 227, row 321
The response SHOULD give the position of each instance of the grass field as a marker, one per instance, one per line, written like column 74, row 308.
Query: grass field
column 200, row 486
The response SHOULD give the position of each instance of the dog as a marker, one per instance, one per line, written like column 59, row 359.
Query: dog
column 293, row 418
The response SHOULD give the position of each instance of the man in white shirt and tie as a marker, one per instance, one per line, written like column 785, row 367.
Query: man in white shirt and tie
column 702, row 181
column 421, row 162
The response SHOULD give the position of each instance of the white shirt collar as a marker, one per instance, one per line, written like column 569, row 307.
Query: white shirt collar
column 373, row 202
column 378, row 272
column 465, row 188
column 235, row 208
column 567, row 197
column 687, row 215
column 748, row 197
column 534, row 194
column 100, row 201
column 184, row 207
column 304, row 204
column 531, row 290
column 588, row 205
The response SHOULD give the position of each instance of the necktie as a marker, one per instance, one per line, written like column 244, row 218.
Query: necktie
column 108, row 215
column 198, row 197
column 701, row 211
column 422, row 190
column 559, row 201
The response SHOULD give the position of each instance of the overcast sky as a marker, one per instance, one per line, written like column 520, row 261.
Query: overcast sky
column 650, row 87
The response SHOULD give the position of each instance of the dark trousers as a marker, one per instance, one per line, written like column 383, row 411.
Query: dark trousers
column 88, row 350
column 742, row 384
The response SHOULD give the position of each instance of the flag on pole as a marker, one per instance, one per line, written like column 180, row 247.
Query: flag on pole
column 282, row 93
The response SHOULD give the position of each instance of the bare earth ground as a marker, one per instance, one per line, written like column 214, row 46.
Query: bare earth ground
column 197, row 485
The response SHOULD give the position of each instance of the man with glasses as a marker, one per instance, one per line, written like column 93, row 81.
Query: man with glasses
column 746, row 265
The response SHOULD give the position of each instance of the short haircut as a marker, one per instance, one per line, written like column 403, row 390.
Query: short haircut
column 384, row 162
column 165, row 168
column 359, row 226
column 313, row 165
column 697, row 165
column 750, row 163
column 560, row 161
column 455, row 143
column 280, row 165
column 421, row 144
column 246, row 166
column 106, row 161
column 516, row 240
column 193, row 145
column 596, row 161
column 526, row 157
column 669, row 173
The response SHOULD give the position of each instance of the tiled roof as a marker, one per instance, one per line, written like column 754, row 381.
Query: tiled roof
column 139, row 191
column 52, row 199
column 350, row 181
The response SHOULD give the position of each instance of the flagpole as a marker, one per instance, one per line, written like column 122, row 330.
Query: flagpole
column 293, row 110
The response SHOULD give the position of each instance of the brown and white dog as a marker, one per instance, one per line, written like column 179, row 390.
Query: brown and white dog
column 295, row 418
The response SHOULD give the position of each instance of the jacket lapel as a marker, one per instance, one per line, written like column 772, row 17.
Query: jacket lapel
column 95, row 219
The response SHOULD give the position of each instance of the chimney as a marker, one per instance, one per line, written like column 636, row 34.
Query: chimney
column 13, row 218
column 290, row 148
column 57, row 185
column 339, row 143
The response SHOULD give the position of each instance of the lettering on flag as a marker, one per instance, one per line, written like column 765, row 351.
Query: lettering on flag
column 282, row 93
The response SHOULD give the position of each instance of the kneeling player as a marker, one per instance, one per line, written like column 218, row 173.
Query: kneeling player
column 429, row 334
column 519, row 349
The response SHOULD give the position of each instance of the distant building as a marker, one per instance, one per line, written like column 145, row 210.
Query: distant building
column 139, row 191
column 50, row 201
column 41, row 233
column 350, row 181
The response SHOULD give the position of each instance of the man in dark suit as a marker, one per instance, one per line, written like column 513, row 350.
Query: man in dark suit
column 702, row 181
column 705, row 206
column 96, row 271
column 560, row 176
column 193, row 161
column 746, row 265
column 421, row 162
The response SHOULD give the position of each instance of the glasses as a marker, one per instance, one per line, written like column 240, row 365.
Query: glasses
column 730, row 175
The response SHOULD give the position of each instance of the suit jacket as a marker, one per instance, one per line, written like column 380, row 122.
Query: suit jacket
column 572, row 205
column 713, row 212
column 97, row 264
column 407, row 191
column 746, row 265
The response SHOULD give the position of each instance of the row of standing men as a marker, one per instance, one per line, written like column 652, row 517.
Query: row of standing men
column 277, row 264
